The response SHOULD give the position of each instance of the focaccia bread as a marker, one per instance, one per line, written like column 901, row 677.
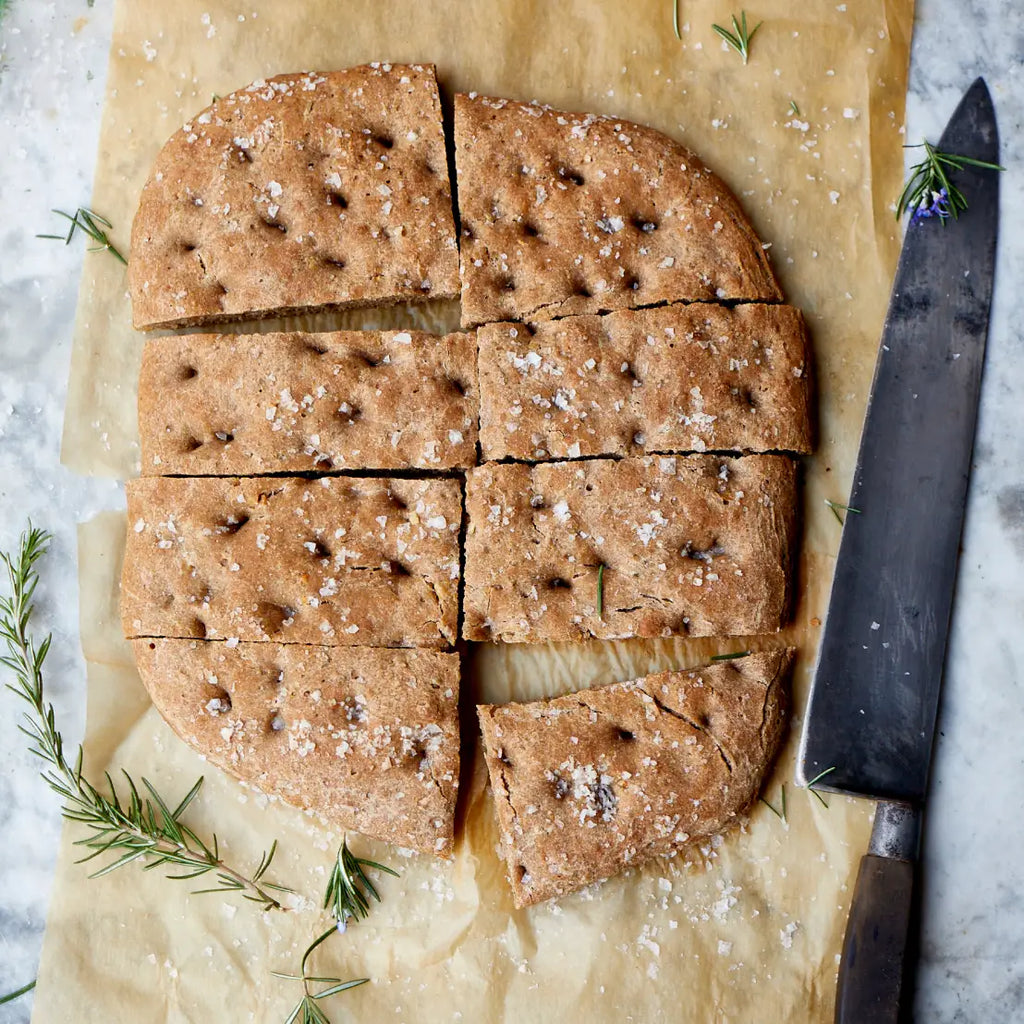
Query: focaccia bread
column 566, row 213
column 678, row 378
column 590, row 783
column 231, row 404
column 642, row 547
column 297, row 194
column 352, row 561
column 369, row 739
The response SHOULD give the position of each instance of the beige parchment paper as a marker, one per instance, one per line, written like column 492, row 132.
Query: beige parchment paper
column 745, row 930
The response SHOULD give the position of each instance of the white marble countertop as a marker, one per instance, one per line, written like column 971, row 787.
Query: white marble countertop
column 53, row 59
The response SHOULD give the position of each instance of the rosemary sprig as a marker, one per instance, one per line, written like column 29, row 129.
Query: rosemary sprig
column 675, row 19
column 729, row 657
column 11, row 996
column 739, row 38
column 91, row 224
column 307, row 1010
column 837, row 508
column 817, row 778
column 600, row 591
column 134, row 827
column 781, row 815
column 929, row 192
column 347, row 897
column 348, row 889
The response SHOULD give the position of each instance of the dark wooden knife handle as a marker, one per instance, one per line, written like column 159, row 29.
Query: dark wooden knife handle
column 872, row 968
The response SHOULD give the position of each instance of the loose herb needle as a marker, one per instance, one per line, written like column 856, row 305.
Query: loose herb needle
column 11, row 996
column 91, row 224
column 781, row 815
column 739, row 38
column 929, row 192
column 838, row 508
column 793, row 108
column 600, row 591
column 347, row 896
column 139, row 826
column 817, row 778
column 730, row 657
column 675, row 19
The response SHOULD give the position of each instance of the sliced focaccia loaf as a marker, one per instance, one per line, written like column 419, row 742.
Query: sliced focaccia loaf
column 367, row 738
column 581, row 213
column 590, row 783
column 297, row 194
column 231, row 404
column 352, row 561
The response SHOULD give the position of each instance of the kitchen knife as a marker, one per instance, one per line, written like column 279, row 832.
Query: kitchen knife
column 870, row 720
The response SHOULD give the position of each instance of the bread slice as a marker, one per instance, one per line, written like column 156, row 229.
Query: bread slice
column 367, row 738
column 673, row 379
column 298, row 194
column 350, row 561
column 642, row 547
column 231, row 404
column 578, row 213
column 590, row 783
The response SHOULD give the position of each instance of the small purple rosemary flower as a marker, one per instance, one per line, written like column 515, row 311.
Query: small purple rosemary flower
column 938, row 207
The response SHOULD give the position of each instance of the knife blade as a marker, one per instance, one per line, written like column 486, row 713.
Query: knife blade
column 870, row 720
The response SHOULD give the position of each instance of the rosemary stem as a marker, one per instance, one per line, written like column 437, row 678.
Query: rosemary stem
column 17, row 993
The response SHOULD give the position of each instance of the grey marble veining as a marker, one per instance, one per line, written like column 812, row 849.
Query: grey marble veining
column 972, row 967
column 52, row 65
column 51, row 95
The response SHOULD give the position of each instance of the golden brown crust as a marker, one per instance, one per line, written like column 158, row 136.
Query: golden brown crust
column 349, row 561
column 231, row 404
column 592, row 782
column 698, row 545
column 367, row 738
column 300, row 193
column 673, row 379
column 566, row 213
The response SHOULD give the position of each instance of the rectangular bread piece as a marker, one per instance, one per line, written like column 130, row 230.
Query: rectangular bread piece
column 593, row 782
column 564, row 213
column 368, row 738
column 242, row 405
column 298, row 194
column 349, row 561
column 643, row 547
column 679, row 378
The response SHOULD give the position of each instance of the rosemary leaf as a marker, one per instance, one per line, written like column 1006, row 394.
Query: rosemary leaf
column 781, row 815
column 793, row 108
column 730, row 657
column 123, row 825
column 739, row 38
column 675, row 19
column 817, row 778
column 600, row 591
column 838, row 508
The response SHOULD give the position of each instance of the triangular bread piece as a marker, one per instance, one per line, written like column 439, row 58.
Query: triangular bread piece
column 578, row 213
column 596, row 781
column 297, row 194
column 367, row 738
